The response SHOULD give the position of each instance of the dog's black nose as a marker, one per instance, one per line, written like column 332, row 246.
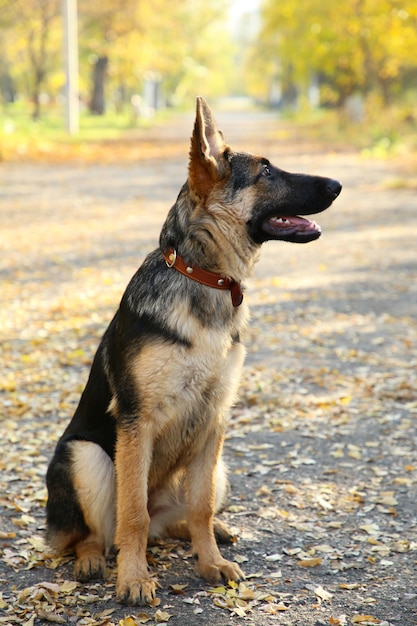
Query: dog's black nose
column 333, row 187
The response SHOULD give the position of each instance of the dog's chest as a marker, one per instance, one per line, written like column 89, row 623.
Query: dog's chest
column 185, row 390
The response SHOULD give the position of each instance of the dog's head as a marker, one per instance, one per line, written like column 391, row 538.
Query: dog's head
column 269, row 200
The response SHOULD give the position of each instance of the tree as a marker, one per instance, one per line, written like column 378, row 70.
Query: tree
column 34, row 43
column 98, row 103
column 183, row 42
column 101, row 25
column 354, row 46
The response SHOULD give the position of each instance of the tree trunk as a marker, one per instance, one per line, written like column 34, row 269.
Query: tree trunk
column 36, row 113
column 38, row 80
column 98, row 103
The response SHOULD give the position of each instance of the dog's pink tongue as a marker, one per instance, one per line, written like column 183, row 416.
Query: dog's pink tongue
column 298, row 221
column 291, row 228
column 293, row 220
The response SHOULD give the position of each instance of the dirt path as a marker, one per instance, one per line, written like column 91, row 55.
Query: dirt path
column 322, row 444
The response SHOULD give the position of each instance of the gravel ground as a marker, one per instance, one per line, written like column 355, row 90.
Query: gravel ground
column 322, row 443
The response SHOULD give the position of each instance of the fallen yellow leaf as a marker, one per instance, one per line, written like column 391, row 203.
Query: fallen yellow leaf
column 349, row 586
column 322, row 593
column 178, row 589
column 245, row 593
column 241, row 612
column 354, row 452
column 346, row 400
column 273, row 608
column 68, row 586
column 8, row 535
column 128, row 621
column 310, row 562
column 371, row 529
column 388, row 498
column 48, row 616
column 141, row 618
column 162, row 616
column 23, row 521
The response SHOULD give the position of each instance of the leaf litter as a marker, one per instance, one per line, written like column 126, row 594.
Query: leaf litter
column 321, row 443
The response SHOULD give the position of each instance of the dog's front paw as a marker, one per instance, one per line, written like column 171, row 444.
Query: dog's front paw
column 140, row 591
column 220, row 570
column 90, row 566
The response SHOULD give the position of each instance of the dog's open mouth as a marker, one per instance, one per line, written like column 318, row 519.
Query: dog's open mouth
column 291, row 228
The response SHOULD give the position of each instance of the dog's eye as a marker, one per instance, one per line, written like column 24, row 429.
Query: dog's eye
column 266, row 170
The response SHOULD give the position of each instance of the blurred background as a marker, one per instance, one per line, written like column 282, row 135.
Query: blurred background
column 348, row 70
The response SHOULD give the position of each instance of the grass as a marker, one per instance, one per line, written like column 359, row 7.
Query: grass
column 17, row 119
column 381, row 135
column 22, row 137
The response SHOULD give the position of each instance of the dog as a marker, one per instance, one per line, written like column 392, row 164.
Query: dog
column 142, row 455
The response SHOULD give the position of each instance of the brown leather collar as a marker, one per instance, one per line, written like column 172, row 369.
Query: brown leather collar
column 210, row 279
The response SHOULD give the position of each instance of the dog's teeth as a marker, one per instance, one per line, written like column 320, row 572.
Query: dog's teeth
column 280, row 220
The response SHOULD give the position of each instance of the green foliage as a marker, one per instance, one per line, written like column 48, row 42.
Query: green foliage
column 184, row 43
column 357, row 46
column 31, row 40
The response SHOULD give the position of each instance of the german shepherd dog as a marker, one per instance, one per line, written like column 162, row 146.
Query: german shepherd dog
column 141, row 457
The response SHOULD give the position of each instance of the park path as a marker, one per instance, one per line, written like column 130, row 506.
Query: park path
column 322, row 443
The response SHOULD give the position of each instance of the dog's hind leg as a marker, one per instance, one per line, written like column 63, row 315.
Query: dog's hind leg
column 94, row 481
column 81, row 505
column 168, row 512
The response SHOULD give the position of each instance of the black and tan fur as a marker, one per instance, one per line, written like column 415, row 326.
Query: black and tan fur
column 142, row 454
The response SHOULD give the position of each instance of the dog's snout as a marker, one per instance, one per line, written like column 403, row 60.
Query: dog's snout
column 333, row 187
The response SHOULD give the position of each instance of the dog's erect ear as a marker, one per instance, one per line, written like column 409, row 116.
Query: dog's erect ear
column 206, row 153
